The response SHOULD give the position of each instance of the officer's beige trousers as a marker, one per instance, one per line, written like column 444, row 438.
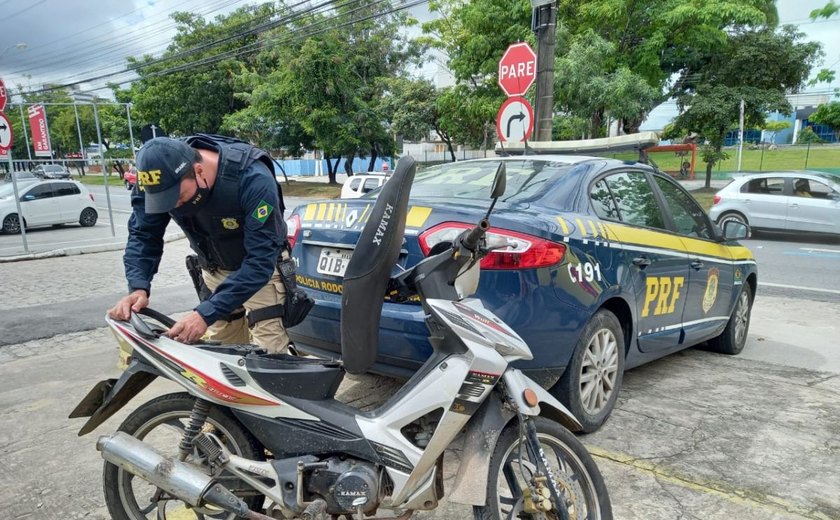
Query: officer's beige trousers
column 269, row 334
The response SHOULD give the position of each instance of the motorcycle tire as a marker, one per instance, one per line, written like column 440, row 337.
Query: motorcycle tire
column 579, row 481
column 172, row 411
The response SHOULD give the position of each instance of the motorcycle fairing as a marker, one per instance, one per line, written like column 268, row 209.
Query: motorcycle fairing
column 109, row 396
column 370, row 268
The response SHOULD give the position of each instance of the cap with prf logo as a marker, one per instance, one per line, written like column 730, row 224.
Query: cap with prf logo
column 161, row 164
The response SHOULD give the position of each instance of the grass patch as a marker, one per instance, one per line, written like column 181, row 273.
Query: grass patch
column 321, row 190
column 96, row 179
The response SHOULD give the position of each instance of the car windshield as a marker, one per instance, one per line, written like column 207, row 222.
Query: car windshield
column 474, row 179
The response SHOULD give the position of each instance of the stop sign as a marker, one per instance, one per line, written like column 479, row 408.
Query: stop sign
column 3, row 97
column 517, row 69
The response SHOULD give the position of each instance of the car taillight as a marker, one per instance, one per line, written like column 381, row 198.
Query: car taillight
column 292, row 230
column 717, row 199
column 522, row 252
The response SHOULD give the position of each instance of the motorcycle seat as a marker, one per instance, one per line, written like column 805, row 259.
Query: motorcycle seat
column 293, row 376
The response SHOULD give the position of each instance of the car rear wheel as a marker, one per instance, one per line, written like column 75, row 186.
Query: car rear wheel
column 88, row 217
column 733, row 216
column 589, row 386
column 734, row 336
column 11, row 224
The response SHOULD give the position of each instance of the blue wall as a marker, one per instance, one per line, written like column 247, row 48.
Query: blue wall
column 306, row 167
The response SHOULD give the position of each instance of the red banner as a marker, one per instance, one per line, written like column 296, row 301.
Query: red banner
column 40, row 134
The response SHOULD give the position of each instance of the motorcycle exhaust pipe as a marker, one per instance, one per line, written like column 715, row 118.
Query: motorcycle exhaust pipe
column 171, row 475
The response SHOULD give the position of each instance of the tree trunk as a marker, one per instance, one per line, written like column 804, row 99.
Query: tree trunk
column 709, row 166
column 373, row 155
column 595, row 123
column 445, row 138
column 348, row 164
column 332, row 169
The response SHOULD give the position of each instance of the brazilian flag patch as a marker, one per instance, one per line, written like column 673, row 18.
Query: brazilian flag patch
column 263, row 211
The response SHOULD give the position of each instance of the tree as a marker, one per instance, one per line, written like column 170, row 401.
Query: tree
column 758, row 67
column 827, row 11
column 828, row 114
column 774, row 127
column 808, row 136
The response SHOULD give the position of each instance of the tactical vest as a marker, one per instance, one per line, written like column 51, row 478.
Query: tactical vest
column 216, row 231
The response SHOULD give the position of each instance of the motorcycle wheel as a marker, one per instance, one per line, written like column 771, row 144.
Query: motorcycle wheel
column 579, row 481
column 161, row 423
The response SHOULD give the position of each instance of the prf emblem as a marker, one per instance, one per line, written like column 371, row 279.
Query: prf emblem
column 710, row 295
column 149, row 178
column 661, row 294
column 230, row 223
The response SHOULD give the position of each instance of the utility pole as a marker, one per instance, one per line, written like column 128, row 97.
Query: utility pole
column 543, row 23
column 741, row 135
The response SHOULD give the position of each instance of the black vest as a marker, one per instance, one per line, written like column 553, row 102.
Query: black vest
column 216, row 231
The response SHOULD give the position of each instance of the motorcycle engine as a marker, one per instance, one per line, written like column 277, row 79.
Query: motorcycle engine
column 343, row 482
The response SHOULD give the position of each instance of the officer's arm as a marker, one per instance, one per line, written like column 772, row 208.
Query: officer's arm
column 264, row 234
column 145, row 244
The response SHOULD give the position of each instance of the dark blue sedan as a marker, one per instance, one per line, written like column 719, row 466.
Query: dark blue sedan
column 602, row 265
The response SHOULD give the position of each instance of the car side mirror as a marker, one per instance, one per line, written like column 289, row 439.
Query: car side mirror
column 733, row 230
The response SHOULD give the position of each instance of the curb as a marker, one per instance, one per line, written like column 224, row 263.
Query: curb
column 80, row 250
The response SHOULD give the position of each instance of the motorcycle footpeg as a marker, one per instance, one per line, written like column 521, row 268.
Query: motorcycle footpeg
column 212, row 448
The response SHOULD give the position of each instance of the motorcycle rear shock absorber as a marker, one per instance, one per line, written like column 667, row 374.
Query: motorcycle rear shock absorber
column 200, row 410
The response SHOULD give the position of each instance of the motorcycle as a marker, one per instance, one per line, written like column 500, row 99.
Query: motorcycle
column 261, row 436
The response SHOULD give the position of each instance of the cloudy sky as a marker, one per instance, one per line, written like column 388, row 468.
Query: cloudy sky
column 63, row 41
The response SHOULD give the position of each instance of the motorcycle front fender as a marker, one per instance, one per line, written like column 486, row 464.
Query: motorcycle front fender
column 485, row 427
column 107, row 397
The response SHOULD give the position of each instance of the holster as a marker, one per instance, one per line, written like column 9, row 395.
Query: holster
column 201, row 289
column 298, row 303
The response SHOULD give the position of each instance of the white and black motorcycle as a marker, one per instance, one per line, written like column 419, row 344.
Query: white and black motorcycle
column 259, row 436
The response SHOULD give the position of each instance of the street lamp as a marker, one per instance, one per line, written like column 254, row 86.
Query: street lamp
column 21, row 46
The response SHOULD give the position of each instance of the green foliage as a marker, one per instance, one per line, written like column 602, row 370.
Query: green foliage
column 827, row 11
column 826, row 76
column 828, row 114
column 808, row 136
column 569, row 128
column 759, row 67
column 774, row 127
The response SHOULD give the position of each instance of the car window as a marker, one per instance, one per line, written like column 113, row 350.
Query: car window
column 41, row 191
column 472, row 180
column 766, row 186
column 602, row 201
column 689, row 218
column 65, row 188
column 370, row 185
column 634, row 197
column 810, row 188
column 354, row 183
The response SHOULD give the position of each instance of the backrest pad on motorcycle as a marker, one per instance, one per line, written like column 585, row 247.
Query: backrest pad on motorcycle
column 367, row 275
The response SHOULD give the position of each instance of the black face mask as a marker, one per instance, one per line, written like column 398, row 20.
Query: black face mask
column 192, row 206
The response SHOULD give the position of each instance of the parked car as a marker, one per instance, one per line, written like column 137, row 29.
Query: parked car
column 362, row 183
column 602, row 266
column 130, row 178
column 51, row 171
column 20, row 177
column 47, row 203
column 797, row 202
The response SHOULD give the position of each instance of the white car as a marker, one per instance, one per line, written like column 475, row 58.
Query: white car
column 359, row 184
column 793, row 202
column 46, row 203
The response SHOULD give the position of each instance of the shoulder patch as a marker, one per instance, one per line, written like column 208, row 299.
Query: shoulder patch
column 263, row 211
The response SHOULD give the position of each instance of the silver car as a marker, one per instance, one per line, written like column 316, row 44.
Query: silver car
column 51, row 171
column 781, row 201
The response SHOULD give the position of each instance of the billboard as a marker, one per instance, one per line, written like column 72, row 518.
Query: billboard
column 40, row 133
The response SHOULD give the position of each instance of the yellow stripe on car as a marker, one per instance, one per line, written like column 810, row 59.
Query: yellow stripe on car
column 563, row 225
column 417, row 216
column 322, row 209
column 310, row 212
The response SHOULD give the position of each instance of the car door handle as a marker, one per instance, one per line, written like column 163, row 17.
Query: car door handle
column 794, row 205
column 641, row 261
column 747, row 201
column 697, row 264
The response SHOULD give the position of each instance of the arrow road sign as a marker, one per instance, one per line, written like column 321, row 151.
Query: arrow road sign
column 5, row 134
column 515, row 121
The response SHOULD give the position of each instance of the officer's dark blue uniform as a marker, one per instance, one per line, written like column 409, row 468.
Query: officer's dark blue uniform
column 237, row 231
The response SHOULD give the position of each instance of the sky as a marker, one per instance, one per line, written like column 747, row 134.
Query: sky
column 62, row 41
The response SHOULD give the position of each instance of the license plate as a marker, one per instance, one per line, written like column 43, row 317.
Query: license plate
column 333, row 261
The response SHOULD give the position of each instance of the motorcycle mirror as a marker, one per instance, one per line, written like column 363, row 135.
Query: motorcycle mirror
column 500, row 182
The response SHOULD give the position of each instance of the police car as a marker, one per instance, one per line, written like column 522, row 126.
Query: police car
column 604, row 265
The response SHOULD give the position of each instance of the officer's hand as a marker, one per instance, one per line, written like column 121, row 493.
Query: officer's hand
column 188, row 329
column 135, row 301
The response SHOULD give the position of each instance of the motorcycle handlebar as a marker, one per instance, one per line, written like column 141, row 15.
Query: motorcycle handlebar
column 471, row 240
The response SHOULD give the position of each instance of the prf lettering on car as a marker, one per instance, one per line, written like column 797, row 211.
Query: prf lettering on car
column 662, row 293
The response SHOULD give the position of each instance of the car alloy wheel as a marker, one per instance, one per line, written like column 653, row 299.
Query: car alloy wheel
column 599, row 371
column 742, row 317
column 11, row 224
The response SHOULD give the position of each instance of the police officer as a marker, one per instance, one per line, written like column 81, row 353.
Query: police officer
column 223, row 194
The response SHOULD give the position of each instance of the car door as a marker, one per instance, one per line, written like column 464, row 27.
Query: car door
column 656, row 257
column 38, row 205
column 766, row 202
column 814, row 207
column 69, row 200
column 709, row 291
